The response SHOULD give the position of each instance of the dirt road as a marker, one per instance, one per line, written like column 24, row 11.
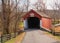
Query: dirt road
column 37, row 36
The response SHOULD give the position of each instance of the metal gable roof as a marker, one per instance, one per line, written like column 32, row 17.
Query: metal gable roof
column 40, row 13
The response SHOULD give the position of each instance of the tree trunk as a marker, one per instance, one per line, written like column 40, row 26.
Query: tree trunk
column 5, row 17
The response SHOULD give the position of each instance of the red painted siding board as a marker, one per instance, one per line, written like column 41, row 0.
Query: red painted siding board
column 46, row 23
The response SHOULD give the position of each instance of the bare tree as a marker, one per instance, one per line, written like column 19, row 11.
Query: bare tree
column 56, row 8
column 7, row 10
column 40, row 5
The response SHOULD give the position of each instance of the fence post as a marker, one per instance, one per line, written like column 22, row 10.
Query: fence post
column 1, row 38
column 8, row 36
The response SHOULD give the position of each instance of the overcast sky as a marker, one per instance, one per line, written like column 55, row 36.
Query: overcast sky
column 47, row 2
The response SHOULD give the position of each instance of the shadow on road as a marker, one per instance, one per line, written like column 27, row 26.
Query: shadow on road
column 34, row 29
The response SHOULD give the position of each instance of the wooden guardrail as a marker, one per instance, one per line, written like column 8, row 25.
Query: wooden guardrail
column 56, row 29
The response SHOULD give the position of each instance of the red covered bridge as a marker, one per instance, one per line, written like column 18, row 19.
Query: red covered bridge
column 34, row 19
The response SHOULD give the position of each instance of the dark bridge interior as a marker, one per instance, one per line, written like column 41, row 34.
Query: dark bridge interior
column 33, row 22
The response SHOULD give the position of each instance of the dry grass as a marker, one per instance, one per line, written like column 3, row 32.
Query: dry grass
column 52, row 36
column 18, row 39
